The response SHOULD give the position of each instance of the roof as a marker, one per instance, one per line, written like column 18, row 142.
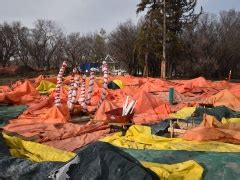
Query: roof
column 109, row 59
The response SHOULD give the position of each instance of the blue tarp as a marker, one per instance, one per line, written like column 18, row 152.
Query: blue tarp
column 88, row 66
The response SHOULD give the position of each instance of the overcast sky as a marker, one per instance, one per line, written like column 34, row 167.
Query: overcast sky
column 86, row 15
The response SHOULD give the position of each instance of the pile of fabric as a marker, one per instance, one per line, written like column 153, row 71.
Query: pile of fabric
column 29, row 118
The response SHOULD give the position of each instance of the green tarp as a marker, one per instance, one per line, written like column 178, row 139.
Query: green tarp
column 219, row 166
column 10, row 112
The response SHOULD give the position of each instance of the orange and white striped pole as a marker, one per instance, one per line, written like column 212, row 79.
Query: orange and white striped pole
column 105, row 83
column 57, row 100
column 91, row 86
column 82, row 99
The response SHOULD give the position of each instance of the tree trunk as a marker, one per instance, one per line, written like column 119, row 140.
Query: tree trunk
column 163, row 64
column 145, row 71
column 163, row 69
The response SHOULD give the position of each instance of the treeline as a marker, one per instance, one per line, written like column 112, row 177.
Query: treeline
column 208, row 47
column 46, row 46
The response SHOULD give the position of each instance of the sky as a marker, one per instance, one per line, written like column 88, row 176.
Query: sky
column 87, row 15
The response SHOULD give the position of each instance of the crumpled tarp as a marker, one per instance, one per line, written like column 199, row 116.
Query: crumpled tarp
column 225, row 98
column 216, row 165
column 34, row 151
column 218, row 112
column 151, row 94
column 66, row 136
column 212, row 129
column 99, row 157
column 187, row 170
column 230, row 120
column 98, row 160
column 140, row 137
column 24, row 93
column 152, row 105
column 12, row 168
column 46, row 115
column 119, row 165
column 183, row 113
column 10, row 112
column 149, row 108
column 104, row 161
column 45, row 86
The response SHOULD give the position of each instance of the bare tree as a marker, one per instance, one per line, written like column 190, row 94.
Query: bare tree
column 73, row 47
column 43, row 42
column 122, row 44
column 22, row 57
column 8, row 42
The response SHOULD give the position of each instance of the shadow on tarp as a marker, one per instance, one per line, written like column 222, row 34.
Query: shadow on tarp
column 19, row 168
column 104, row 161
column 98, row 161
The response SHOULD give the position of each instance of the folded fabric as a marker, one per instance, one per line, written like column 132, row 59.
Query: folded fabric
column 139, row 137
column 217, row 165
column 230, row 120
column 22, row 94
column 46, row 86
column 34, row 151
column 218, row 112
column 188, row 170
column 65, row 136
column 103, row 161
column 183, row 113
column 225, row 98
column 212, row 129
column 125, row 166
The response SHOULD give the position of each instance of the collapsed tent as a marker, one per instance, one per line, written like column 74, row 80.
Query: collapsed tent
column 140, row 137
column 51, row 123
column 22, row 94
column 216, row 165
column 104, row 160
column 65, row 136
column 212, row 129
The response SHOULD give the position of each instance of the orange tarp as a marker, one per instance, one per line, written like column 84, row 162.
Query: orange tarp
column 23, row 94
column 4, row 89
column 152, row 96
column 51, row 125
column 225, row 98
column 65, row 136
column 45, row 115
column 148, row 109
column 212, row 129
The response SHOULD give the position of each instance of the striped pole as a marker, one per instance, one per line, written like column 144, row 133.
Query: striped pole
column 105, row 83
column 59, row 84
column 91, row 86
column 82, row 99
column 71, row 87
column 74, row 92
